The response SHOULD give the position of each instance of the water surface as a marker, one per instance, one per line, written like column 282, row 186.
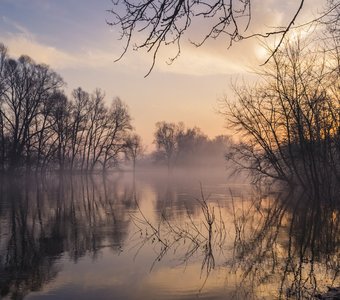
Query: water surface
column 152, row 236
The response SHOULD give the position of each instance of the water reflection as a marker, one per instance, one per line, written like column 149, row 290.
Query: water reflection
column 43, row 218
column 290, row 247
column 286, row 245
column 67, row 237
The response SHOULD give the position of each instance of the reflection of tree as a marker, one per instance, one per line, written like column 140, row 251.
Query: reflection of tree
column 285, row 246
column 294, row 240
column 187, row 239
column 43, row 218
column 27, row 257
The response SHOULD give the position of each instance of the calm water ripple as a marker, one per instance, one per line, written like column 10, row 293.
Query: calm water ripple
column 154, row 237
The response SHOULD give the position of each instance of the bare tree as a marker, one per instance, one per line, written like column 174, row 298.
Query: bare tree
column 289, row 121
column 3, row 58
column 166, row 140
column 97, row 114
column 61, row 127
column 331, row 18
column 165, row 22
column 27, row 86
column 133, row 148
column 40, row 128
column 79, row 122
column 119, row 126
column 191, row 143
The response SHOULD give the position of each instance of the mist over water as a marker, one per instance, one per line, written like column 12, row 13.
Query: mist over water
column 89, row 211
column 162, row 236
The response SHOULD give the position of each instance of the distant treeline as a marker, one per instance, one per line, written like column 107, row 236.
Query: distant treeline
column 41, row 128
column 187, row 147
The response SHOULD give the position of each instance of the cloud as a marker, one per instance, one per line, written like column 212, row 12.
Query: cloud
column 213, row 58
column 19, row 44
column 22, row 41
column 28, row 44
column 198, row 62
column 21, row 29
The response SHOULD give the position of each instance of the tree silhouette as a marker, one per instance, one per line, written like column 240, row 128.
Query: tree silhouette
column 166, row 22
column 289, row 121
column 41, row 128
column 133, row 148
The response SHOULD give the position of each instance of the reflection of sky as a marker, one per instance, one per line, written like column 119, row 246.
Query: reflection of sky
column 127, row 274
column 122, row 277
column 73, row 38
column 82, row 253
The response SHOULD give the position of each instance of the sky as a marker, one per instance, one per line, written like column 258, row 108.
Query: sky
column 73, row 38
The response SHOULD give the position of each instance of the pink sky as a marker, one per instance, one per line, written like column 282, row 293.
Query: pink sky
column 73, row 38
